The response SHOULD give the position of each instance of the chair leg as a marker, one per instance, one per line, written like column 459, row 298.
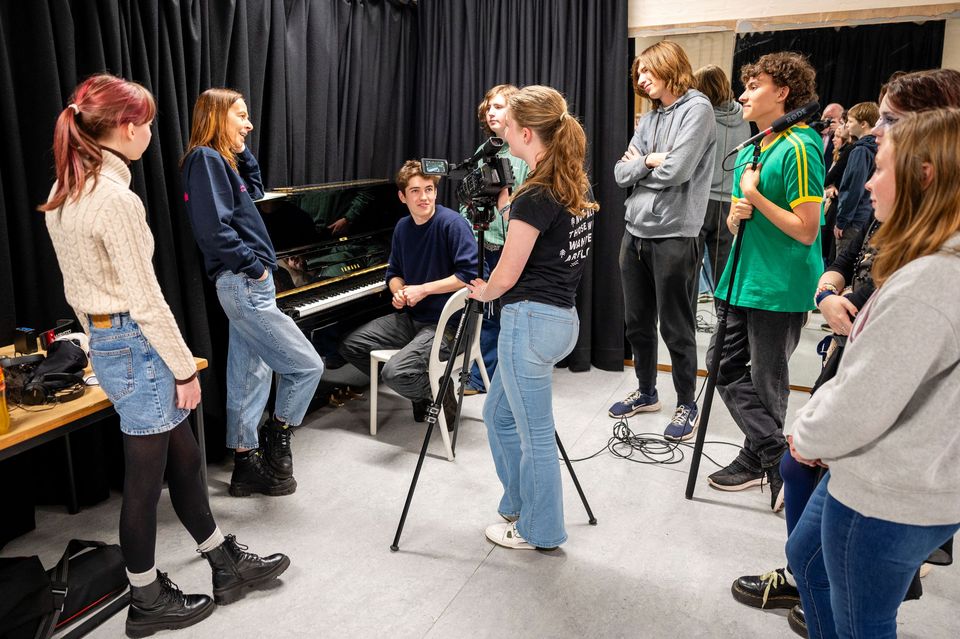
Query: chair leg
column 374, row 374
column 478, row 360
column 444, row 435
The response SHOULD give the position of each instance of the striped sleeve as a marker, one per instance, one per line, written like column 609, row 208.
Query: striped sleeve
column 802, row 171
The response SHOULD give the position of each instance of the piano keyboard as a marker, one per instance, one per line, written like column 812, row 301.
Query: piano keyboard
column 330, row 296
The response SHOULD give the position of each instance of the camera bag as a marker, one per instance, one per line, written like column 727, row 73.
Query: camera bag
column 85, row 587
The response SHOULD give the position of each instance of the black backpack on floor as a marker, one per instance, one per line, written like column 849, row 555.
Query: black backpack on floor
column 86, row 587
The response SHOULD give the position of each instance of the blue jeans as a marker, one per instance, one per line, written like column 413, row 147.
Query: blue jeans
column 799, row 482
column 262, row 338
column 518, row 413
column 853, row 571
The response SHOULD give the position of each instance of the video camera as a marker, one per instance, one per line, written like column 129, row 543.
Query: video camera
column 820, row 125
column 481, row 176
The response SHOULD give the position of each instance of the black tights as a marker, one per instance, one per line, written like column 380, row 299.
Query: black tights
column 145, row 458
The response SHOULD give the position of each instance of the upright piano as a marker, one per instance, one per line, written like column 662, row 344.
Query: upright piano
column 332, row 242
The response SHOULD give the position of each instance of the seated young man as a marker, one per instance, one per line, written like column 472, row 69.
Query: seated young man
column 780, row 262
column 433, row 254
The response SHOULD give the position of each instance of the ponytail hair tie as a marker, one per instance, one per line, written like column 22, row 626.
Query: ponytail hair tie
column 76, row 109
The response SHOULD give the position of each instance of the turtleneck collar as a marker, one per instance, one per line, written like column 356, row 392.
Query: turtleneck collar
column 115, row 166
column 116, row 153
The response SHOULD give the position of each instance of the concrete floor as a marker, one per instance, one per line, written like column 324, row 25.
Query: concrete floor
column 657, row 565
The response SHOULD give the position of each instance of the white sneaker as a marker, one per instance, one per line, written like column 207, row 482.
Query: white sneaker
column 506, row 535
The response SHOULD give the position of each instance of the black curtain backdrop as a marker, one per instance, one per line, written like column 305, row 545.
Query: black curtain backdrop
column 330, row 89
column 578, row 47
column 851, row 62
column 337, row 89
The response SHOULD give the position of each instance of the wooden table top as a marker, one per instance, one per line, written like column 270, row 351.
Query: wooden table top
column 27, row 422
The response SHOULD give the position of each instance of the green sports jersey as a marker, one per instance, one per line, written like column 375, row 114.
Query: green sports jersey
column 776, row 272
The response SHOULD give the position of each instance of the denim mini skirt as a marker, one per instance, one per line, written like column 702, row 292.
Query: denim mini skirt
column 134, row 378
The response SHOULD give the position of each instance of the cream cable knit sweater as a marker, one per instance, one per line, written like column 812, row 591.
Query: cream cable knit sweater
column 105, row 250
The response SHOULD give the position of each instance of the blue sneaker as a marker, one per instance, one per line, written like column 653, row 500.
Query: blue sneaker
column 635, row 402
column 684, row 422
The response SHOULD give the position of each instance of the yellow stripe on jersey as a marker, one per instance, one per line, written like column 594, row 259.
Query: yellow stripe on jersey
column 801, row 153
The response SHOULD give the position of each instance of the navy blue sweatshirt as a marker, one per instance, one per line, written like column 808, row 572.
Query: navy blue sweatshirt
column 226, row 223
column 854, row 207
column 444, row 245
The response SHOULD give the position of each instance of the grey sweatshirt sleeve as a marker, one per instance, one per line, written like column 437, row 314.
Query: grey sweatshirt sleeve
column 628, row 173
column 903, row 343
column 694, row 135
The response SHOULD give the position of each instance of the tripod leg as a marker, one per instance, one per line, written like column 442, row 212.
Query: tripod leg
column 576, row 482
column 413, row 486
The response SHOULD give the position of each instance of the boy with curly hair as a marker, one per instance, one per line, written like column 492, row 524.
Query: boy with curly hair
column 779, row 265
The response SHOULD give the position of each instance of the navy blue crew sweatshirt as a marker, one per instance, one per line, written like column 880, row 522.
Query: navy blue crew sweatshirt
column 442, row 246
column 854, row 207
column 226, row 223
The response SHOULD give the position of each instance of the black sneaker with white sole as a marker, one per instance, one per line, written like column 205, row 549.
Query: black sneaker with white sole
column 734, row 477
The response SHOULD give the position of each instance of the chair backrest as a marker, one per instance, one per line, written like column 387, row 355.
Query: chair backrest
column 454, row 304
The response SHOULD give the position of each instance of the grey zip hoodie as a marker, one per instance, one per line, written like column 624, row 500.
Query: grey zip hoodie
column 732, row 129
column 671, row 199
column 887, row 423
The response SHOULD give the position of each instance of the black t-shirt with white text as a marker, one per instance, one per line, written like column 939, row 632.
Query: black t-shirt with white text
column 556, row 262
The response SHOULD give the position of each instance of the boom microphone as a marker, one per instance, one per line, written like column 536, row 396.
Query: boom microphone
column 781, row 124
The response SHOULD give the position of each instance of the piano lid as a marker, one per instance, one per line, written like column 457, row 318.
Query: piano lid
column 327, row 231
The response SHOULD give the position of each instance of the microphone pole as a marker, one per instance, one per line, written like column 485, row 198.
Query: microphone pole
column 721, row 334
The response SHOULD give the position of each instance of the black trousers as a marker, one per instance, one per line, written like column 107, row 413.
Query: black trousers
column 754, row 380
column 659, row 278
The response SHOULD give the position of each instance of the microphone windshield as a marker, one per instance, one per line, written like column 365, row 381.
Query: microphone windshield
column 786, row 121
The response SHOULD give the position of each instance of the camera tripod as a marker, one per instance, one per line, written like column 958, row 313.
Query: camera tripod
column 714, row 365
column 463, row 340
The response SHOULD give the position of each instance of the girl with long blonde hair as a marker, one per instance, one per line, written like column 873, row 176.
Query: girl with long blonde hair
column 548, row 243
column 892, row 495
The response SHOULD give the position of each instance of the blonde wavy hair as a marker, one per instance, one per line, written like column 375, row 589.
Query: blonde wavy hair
column 926, row 211
column 560, row 171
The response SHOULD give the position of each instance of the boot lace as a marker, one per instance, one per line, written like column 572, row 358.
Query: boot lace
column 240, row 549
column 169, row 589
column 280, row 438
column 773, row 580
column 681, row 416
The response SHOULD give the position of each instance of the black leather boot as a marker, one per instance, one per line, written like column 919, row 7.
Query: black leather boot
column 252, row 474
column 162, row 606
column 275, row 443
column 797, row 621
column 235, row 571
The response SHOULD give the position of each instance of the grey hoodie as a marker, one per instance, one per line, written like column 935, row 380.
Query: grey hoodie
column 732, row 129
column 671, row 199
column 887, row 423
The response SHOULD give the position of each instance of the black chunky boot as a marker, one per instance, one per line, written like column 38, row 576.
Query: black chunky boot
column 235, row 571
column 162, row 606
column 275, row 443
column 252, row 474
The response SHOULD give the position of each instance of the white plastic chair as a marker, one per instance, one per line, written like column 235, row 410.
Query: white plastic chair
column 435, row 367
